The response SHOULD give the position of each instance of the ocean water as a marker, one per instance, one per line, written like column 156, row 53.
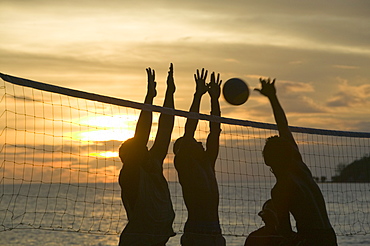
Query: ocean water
column 92, row 214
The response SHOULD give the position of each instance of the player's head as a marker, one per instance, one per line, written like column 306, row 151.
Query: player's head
column 268, row 214
column 277, row 152
column 195, row 147
column 130, row 151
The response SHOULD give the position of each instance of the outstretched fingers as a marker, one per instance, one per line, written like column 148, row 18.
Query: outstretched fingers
column 151, row 74
column 170, row 80
column 200, row 79
column 214, row 86
column 218, row 81
column 151, row 82
column 170, row 70
column 214, row 80
column 267, row 87
column 202, row 76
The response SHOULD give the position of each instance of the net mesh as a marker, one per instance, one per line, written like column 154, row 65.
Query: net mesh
column 59, row 163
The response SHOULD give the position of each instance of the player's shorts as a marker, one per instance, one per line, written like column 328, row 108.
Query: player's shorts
column 202, row 234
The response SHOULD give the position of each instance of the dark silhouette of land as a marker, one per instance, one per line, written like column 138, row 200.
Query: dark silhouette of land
column 357, row 171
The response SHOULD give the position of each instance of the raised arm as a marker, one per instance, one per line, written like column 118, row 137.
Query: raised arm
column 213, row 139
column 166, row 121
column 268, row 89
column 144, row 123
column 201, row 89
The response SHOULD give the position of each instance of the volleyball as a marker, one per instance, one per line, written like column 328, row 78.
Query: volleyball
column 235, row 91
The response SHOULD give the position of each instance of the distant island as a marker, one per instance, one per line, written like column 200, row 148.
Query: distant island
column 357, row 171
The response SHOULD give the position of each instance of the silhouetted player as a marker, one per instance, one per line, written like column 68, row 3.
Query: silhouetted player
column 295, row 190
column 196, row 170
column 145, row 193
column 266, row 235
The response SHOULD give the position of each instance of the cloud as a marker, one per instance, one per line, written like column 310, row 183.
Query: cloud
column 295, row 87
column 296, row 97
column 287, row 24
column 345, row 67
column 304, row 105
column 361, row 125
column 93, row 44
column 350, row 96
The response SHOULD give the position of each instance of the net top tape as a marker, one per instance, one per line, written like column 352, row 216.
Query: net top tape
column 181, row 113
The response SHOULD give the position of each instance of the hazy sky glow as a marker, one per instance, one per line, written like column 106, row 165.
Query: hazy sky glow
column 318, row 51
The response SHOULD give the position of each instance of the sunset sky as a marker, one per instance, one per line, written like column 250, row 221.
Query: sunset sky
column 319, row 51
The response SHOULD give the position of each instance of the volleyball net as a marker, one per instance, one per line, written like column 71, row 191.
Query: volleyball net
column 59, row 163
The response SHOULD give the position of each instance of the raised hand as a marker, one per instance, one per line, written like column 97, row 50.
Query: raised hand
column 267, row 87
column 170, row 81
column 152, row 92
column 201, row 82
column 214, row 86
